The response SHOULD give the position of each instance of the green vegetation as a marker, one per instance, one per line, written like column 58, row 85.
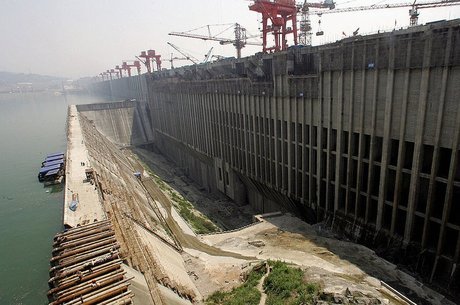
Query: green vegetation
column 199, row 223
column 286, row 285
column 246, row 294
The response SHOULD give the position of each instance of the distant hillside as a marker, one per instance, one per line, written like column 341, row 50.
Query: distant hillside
column 8, row 78
column 21, row 82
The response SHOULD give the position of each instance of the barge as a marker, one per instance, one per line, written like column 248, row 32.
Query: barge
column 52, row 170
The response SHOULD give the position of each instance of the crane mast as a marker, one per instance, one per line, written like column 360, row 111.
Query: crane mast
column 305, row 29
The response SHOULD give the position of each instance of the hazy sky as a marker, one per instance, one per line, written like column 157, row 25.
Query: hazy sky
column 77, row 38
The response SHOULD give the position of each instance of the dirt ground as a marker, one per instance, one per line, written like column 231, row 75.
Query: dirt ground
column 336, row 265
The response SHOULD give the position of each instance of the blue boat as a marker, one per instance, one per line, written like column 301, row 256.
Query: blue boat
column 44, row 170
column 50, row 159
column 55, row 155
column 50, row 163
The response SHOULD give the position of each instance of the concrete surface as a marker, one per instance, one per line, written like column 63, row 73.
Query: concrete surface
column 89, row 208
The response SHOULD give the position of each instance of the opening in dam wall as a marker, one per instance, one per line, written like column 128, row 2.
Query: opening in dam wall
column 363, row 134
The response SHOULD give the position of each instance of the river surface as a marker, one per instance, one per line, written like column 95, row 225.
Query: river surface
column 32, row 125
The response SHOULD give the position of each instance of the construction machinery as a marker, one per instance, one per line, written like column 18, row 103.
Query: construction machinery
column 413, row 11
column 207, row 57
column 120, row 70
column 127, row 67
column 103, row 75
column 279, row 13
column 305, row 28
column 186, row 55
column 150, row 56
column 173, row 58
column 239, row 42
column 110, row 72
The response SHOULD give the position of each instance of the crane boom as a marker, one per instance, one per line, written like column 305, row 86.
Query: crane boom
column 428, row 4
column 187, row 56
column 239, row 42
column 212, row 38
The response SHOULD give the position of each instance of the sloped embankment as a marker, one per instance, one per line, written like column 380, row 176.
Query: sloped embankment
column 138, row 223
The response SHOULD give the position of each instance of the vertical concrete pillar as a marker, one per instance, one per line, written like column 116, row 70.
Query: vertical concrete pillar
column 246, row 134
column 350, row 130
column 419, row 131
column 253, row 111
column 311, row 160
column 271, row 157
column 373, row 129
column 304, row 151
column 339, row 118
column 326, row 98
column 362, row 109
column 319, row 152
column 386, row 132
column 454, row 163
column 448, row 198
column 402, row 135
column 229, row 112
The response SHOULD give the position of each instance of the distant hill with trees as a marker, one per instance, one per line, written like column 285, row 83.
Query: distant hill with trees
column 10, row 81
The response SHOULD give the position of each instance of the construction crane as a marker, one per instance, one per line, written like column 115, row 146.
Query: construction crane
column 103, row 74
column 207, row 57
column 110, row 72
column 120, row 70
column 279, row 13
column 186, row 55
column 172, row 59
column 305, row 28
column 127, row 67
column 413, row 11
column 239, row 42
column 150, row 56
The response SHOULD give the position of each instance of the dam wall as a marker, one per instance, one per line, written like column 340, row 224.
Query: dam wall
column 134, row 87
column 125, row 123
column 363, row 133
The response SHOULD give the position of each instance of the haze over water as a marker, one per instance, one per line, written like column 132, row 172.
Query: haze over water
column 32, row 125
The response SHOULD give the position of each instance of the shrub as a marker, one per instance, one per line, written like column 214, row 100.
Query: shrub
column 246, row 294
column 286, row 285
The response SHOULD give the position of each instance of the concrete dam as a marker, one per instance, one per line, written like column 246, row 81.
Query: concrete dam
column 363, row 134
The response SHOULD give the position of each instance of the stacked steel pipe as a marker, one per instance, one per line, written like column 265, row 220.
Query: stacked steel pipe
column 86, row 267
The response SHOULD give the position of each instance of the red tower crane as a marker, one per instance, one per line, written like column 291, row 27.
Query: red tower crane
column 150, row 56
column 103, row 74
column 279, row 13
column 120, row 71
column 135, row 64
column 112, row 71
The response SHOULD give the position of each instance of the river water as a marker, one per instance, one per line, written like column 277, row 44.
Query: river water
column 32, row 125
